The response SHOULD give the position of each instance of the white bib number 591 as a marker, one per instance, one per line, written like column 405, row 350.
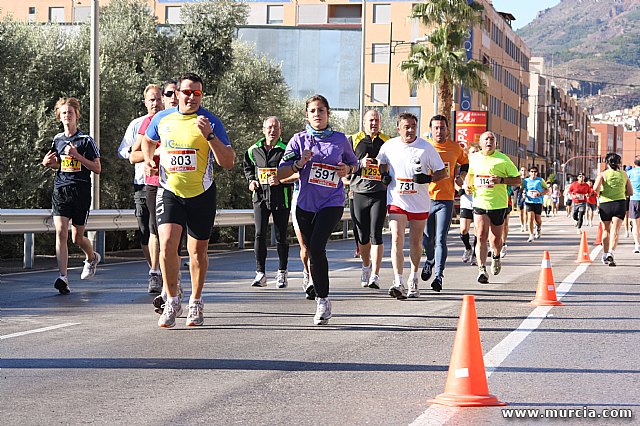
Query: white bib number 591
column 324, row 175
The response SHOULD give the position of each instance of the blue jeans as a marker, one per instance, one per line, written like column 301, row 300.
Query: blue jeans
column 434, row 240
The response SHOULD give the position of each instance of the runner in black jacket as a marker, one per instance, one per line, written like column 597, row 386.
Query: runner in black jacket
column 270, row 197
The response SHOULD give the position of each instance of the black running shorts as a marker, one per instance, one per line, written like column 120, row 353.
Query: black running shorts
column 612, row 209
column 196, row 214
column 495, row 216
column 72, row 201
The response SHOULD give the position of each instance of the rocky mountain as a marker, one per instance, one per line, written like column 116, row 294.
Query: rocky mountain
column 592, row 49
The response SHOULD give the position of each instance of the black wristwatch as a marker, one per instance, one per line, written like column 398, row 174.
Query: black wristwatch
column 210, row 136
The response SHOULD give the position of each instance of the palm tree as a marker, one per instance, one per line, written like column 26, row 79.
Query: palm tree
column 443, row 60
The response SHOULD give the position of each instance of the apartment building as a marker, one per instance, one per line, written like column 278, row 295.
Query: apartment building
column 288, row 30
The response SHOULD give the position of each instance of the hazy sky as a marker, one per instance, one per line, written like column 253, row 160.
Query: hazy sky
column 525, row 11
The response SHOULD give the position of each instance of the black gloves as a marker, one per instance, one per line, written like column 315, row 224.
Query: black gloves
column 385, row 178
column 421, row 178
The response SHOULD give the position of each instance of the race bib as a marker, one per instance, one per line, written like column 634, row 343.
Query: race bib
column 372, row 173
column 264, row 173
column 68, row 164
column 532, row 193
column 406, row 186
column 324, row 175
column 579, row 196
column 182, row 160
column 447, row 168
column 482, row 181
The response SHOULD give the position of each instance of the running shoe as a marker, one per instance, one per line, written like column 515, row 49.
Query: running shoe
column 483, row 277
column 374, row 282
column 169, row 314
column 310, row 290
column 323, row 311
column 427, row 269
column 398, row 291
column 503, row 252
column 414, row 291
column 195, row 317
column 281, row 278
column 260, row 280
column 159, row 301
column 365, row 275
column 523, row 228
column 62, row 285
column 605, row 259
column 436, row 284
column 155, row 283
column 466, row 256
column 496, row 265
column 636, row 249
column 538, row 232
column 530, row 239
column 474, row 260
column 578, row 231
column 89, row 268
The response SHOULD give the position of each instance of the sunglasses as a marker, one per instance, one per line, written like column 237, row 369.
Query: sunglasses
column 169, row 93
column 189, row 92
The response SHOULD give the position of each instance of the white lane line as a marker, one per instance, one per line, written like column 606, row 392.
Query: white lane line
column 438, row 414
column 38, row 330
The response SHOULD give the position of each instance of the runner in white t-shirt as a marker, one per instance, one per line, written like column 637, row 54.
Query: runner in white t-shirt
column 408, row 164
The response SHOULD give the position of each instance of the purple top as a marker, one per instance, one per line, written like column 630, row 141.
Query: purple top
column 320, row 185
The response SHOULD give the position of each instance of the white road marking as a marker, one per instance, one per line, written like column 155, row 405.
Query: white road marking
column 38, row 330
column 438, row 414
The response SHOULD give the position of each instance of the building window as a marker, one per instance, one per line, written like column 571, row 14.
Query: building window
column 380, row 53
column 381, row 13
column 275, row 14
column 380, row 92
column 345, row 14
column 413, row 90
column 312, row 14
column 56, row 14
column 172, row 15
column 32, row 10
column 82, row 14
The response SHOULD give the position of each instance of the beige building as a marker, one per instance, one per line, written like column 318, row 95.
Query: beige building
column 389, row 34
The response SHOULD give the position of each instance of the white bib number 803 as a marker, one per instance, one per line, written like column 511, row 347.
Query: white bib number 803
column 183, row 160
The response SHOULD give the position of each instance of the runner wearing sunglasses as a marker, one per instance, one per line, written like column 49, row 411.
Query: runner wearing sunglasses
column 191, row 139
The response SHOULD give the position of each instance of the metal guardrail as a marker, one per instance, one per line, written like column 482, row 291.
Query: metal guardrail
column 37, row 221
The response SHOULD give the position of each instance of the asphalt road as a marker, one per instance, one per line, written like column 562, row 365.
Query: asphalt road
column 97, row 356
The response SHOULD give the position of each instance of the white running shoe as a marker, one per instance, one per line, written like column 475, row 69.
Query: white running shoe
column 169, row 314
column 414, row 291
column 530, row 239
column 365, row 275
column 323, row 311
column 260, row 280
column 195, row 317
column 89, row 268
column 496, row 265
column 398, row 291
column 466, row 256
column 281, row 278
column 636, row 249
column 538, row 232
column 155, row 283
column 374, row 282
column 503, row 252
column 62, row 284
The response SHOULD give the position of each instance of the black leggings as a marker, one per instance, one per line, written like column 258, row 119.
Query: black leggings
column 280, row 221
column 578, row 212
column 316, row 228
column 368, row 214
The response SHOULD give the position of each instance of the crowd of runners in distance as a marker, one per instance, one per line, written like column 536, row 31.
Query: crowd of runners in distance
column 406, row 179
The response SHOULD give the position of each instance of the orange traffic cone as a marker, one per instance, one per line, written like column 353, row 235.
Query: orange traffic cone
column 583, row 252
column 599, row 236
column 546, row 291
column 467, row 381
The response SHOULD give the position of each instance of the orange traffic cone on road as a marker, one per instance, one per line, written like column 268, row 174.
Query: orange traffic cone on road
column 599, row 235
column 583, row 252
column 546, row 291
column 467, row 381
